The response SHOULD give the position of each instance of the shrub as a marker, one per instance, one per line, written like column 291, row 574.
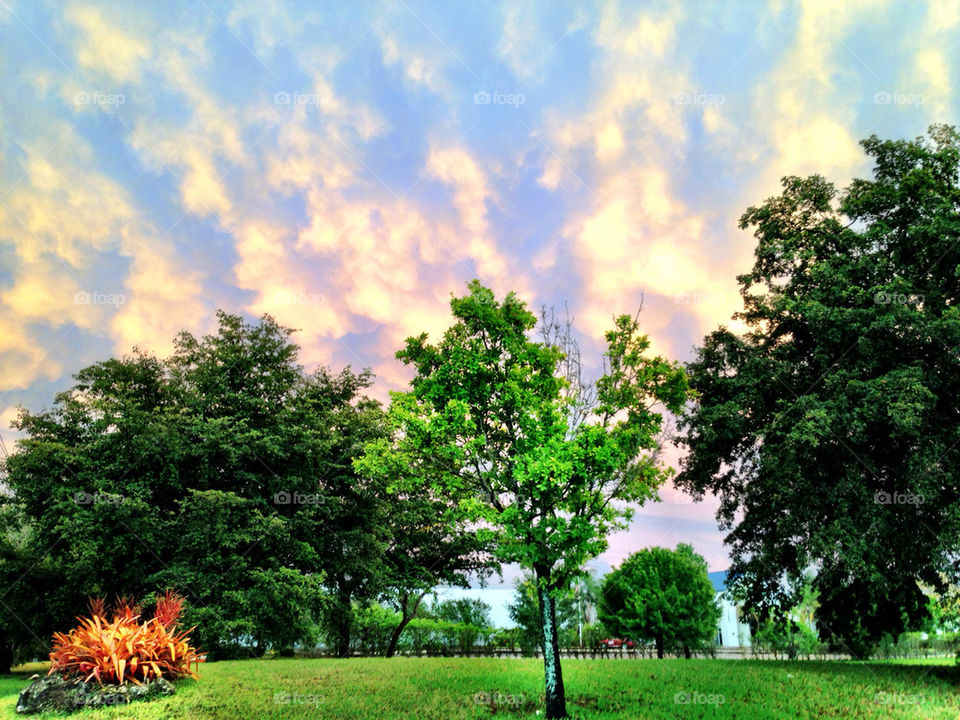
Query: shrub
column 122, row 649
column 784, row 635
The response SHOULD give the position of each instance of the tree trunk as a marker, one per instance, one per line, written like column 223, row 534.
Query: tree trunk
column 553, row 676
column 6, row 655
column 342, row 622
column 406, row 615
column 686, row 652
column 660, row 646
column 395, row 638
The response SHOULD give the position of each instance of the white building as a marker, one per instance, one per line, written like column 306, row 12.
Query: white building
column 731, row 630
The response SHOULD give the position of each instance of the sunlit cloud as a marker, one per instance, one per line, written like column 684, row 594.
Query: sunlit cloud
column 346, row 172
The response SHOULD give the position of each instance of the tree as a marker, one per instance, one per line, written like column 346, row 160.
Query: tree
column 224, row 470
column 663, row 596
column 471, row 616
column 428, row 546
column 22, row 618
column 829, row 428
column 525, row 612
column 492, row 421
column 344, row 517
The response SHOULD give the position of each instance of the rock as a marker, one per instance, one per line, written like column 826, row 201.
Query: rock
column 55, row 693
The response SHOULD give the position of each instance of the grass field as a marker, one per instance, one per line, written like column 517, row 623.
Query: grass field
column 449, row 688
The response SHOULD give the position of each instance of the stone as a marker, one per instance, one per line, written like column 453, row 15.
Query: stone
column 55, row 693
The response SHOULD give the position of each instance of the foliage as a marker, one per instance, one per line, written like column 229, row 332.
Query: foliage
column 373, row 629
column 223, row 470
column 545, row 464
column 782, row 634
column 916, row 644
column 24, row 577
column 122, row 649
column 663, row 596
column 828, row 428
column 469, row 616
column 525, row 612
column 453, row 626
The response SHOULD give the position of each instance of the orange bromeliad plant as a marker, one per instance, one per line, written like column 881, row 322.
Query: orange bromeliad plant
column 123, row 649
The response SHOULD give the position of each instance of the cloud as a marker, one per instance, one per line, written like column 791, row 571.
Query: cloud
column 161, row 297
column 418, row 67
column 328, row 168
column 104, row 47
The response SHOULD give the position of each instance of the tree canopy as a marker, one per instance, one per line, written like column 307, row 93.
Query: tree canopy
column 225, row 471
column 544, row 464
column 829, row 428
column 661, row 596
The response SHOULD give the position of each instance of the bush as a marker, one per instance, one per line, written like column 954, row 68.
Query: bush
column 122, row 649
column 788, row 637
column 913, row 644
column 594, row 634
column 373, row 627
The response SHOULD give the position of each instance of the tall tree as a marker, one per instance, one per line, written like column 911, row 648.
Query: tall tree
column 664, row 596
column 829, row 428
column 225, row 470
column 493, row 422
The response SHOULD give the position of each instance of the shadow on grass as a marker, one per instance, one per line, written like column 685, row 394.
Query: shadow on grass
column 869, row 671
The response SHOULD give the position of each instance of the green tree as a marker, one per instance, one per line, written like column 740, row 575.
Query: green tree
column 428, row 546
column 525, row 612
column 23, row 620
column 545, row 465
column 829, row 427
column 663, row 596
column 224, row 470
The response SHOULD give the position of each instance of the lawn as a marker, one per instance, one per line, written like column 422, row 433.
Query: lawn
column 449, row 688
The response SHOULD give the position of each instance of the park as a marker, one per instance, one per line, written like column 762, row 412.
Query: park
column 419, row 361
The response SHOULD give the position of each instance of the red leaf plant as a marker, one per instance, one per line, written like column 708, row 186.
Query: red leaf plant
column 123, row 649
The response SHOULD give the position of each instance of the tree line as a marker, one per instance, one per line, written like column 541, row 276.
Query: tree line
column 280, row 500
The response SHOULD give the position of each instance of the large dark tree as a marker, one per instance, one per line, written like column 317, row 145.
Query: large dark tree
column 546, row 466
column 225, row 471
column 830, row 429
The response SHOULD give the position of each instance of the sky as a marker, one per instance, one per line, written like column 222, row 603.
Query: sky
column 346, row 167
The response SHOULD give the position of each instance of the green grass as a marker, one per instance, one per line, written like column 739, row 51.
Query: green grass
column 451, row 688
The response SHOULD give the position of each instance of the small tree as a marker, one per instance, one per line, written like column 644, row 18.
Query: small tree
column 544, row 463
column 427, row 546
column 663, row 596
column 525, row 612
